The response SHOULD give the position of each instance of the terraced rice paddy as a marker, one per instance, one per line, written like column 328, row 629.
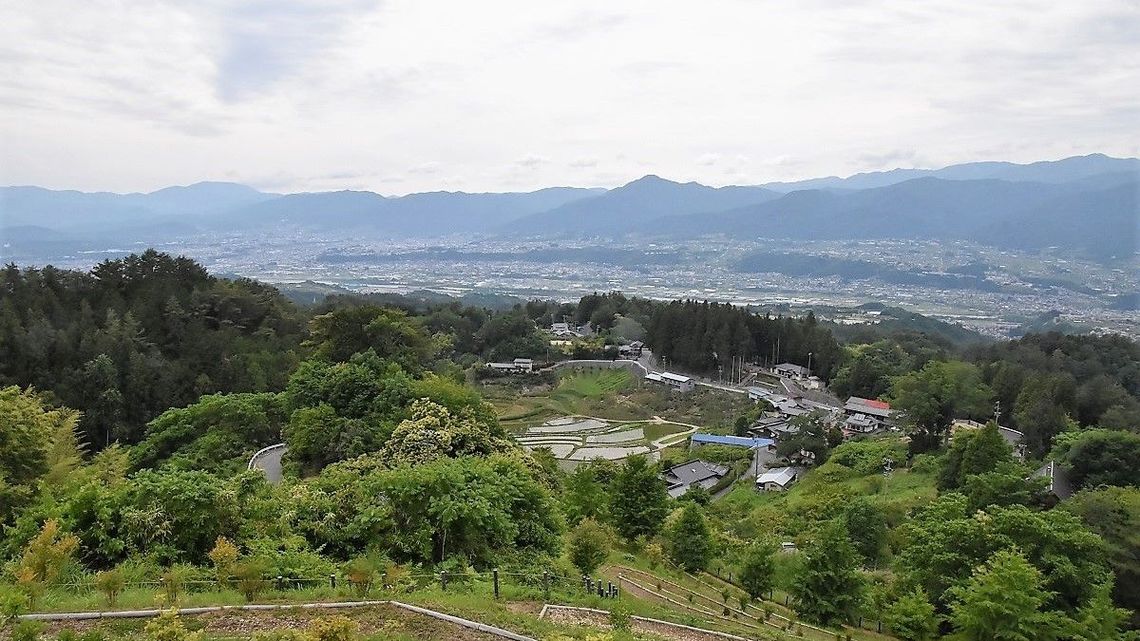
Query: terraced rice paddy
column 574, row 438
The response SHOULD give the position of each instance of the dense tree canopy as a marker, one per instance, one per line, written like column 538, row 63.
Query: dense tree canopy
column 140, row 334
column 930, row 399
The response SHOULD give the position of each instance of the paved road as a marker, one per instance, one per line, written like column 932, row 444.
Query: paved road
column 269, row 462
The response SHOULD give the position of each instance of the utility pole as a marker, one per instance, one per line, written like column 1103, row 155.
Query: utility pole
column 809, row 363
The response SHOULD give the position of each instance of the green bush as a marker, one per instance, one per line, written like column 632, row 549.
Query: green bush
column 250, row 575
column 175, row 582
column 621, row 617
column 360, row 573
column 337, row 628
column 26, row 631
column 167, row 626
column 110, row 583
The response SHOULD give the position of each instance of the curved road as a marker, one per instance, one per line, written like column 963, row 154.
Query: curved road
column 268, row 460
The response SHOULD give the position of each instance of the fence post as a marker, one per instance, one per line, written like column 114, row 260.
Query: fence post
column 495, row 578
column 332, row 581
column 589, row 585
column 610, row 589
column 443, row 580
column 280, row 582
column 601, row 588
column 546, row 585
column 384, row 580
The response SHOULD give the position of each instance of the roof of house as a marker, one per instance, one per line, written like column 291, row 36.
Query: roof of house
column 654, row 376
column 868, row 406
column 780, row 475
column 792, row 367
column 676, row 378
column 860, row 420
column 1059, row 484
column 693, row 471
column 738, row 441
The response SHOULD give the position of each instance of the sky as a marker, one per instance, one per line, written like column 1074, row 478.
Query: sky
column 400, row 96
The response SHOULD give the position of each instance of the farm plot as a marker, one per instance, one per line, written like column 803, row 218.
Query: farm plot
column 574, row 439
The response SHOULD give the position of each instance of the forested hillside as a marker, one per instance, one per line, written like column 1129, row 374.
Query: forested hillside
column 397, row 465
column 140, row 334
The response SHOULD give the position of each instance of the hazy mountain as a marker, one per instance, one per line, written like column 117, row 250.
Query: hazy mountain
column 201, row 198
column 424, row 214
column 81, row 211
column 638, row 202
column 1100, row 222
column 1048, row 171
column 1085, row 203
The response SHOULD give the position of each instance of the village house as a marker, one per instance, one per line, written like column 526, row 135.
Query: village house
column 515, row 366
column 676, row 381
column 792, row 371
column 778, row 479
column 1015, row 438
column 866, row 415
column 681, row 478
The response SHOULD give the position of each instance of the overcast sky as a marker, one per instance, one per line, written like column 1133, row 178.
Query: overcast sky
column 399, row 96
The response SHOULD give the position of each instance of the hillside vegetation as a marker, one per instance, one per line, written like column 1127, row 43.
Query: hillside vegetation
column 402, row 482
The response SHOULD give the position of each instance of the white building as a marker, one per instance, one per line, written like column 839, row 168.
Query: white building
column 778, row 479
column 793, row 371
column 517, row 365
column 676, row 381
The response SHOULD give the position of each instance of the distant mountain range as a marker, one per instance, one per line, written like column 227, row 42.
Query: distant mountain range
column 1086, row 204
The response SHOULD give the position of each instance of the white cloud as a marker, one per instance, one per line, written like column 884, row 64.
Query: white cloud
column 136, row 94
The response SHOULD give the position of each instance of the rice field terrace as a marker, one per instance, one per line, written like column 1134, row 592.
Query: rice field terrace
column 609, row 413
column 579, row 438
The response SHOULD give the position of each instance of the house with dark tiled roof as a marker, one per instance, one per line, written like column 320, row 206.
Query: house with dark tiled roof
column 681, row 478
column 866, row 415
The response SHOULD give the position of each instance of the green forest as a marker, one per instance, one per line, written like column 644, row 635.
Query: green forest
column 133, row 395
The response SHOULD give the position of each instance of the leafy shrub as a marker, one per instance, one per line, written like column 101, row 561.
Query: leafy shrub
column 337, row 628
column 168, row 627
column 175, row 582
column 360, row 573
column 110, row 583
column 621, row 617
column 26, row 631
column 926, row 464
column 866, row 457
column 250, row 577
column 224, row 556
